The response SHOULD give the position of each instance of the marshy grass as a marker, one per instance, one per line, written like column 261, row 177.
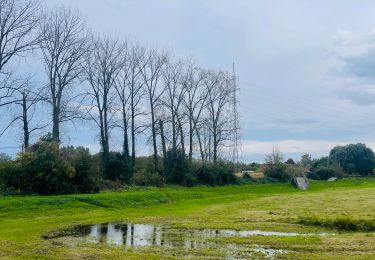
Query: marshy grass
column 341, row 224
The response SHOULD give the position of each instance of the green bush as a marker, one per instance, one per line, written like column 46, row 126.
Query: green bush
column 107, row 185
column 215, row 174
column 277, row 171
column 283, row 172
column 318, row 163
column 2, row 185
column 119, row 168
column 41, row 170
column 87, row 175
column 4, row 158
column 324, row 173
column 176, row 166
column 148, row 178
column 178, row 170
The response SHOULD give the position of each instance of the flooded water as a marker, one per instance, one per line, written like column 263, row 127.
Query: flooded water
column 146, row 235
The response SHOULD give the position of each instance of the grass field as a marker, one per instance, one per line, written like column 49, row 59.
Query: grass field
column 345, row 207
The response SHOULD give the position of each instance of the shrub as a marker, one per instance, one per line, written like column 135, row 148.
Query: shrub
column 313, row 176
column 277, row 171
column 290, row 161
column 178, row 170
column 324, row 173
column 215, row 174
column 322, row 162
column 86, row 178
column 283, row 172
column 295, row 171
column 190, row 179
column 110, row 185
column 148, row 178
column 40, row 170
column 4, row 158
column 176, row 166
column 119, row 168
column 2, row 184
column 10, row 175
column 146, row 163
column 253, row 167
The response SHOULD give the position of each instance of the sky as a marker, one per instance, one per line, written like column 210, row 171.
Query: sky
column 306, row 68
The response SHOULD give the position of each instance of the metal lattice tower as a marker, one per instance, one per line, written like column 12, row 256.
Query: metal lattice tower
column 236, row 134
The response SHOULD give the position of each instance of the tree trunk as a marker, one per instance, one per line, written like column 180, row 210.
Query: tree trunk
column 105, row 129
column 133, row 134
column 103, row 143
column 125, row 148
column 200, row 144
column 56, row 124
column 163, row 142
column 209, row 149
column 153, row 129
column 26, row 136
column 190, row 139
column 174, row 132
column 126, row 138
column 215, row 147
column 181, row 136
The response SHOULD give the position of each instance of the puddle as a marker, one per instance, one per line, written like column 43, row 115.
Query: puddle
column 145, row 235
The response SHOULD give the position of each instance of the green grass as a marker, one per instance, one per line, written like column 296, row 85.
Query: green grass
column 328, row 206
column 343, row 224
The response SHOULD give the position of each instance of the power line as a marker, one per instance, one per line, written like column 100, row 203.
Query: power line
column 10, row 147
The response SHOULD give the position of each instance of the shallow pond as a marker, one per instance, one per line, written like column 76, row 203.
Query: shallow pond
column 144, row 235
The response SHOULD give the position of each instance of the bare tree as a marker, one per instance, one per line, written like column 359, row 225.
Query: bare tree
column 18, row 28
column 29, row 104
column 194, row 101
column 174, row 94
column 64, row 44
column 204, row 139
column 18, row 35
column 7, row 89
column 275, row 157
column 221, row 126
column 103, row 65
column 129, row 90
column 151, row 73
column 135, row 84
column 120, row 85
column 25, row 104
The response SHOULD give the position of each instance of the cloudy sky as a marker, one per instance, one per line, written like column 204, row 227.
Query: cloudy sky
column 306, row 68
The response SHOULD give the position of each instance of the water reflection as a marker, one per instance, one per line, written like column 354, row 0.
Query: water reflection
column 122, row 234
column 141, row 235
column 138, row 235
column 146, row 235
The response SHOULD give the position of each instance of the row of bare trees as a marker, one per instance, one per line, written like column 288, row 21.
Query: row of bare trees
column 116, row 84
column 19, row 22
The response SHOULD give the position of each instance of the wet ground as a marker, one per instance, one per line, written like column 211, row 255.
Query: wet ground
column 148, row 235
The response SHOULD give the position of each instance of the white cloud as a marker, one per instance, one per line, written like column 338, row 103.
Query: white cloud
column 314, row 147
column 355, row 43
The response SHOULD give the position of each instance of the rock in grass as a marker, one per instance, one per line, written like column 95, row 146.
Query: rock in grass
column 301, row 183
